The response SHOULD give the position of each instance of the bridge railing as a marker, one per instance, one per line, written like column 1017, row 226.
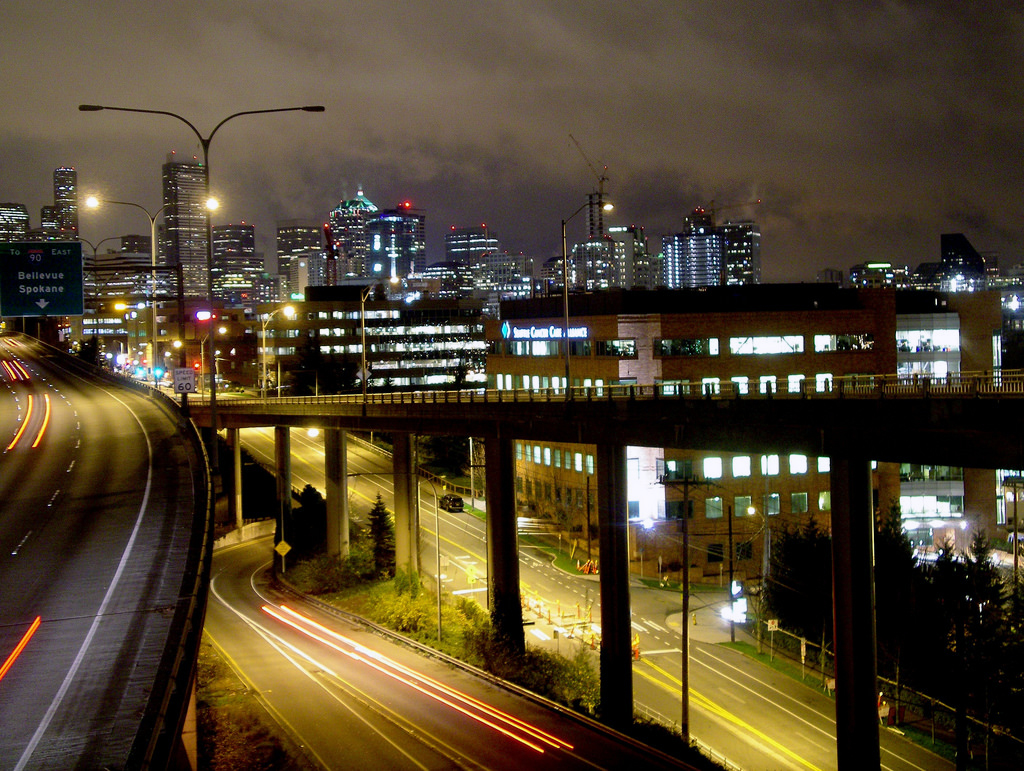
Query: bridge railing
column 985, row 384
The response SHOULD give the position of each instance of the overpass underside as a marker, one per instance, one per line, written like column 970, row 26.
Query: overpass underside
column 972, row 432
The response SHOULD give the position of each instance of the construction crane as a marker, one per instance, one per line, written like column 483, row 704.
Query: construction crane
column 597, row 203
column 602, row 177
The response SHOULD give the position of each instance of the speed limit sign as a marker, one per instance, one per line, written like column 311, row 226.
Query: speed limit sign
column 184, row 380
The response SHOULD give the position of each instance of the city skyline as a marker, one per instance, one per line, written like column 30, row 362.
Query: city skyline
column 866, row 131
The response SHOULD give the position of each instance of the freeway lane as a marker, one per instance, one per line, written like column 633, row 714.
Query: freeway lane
column 95, row 515
column 356, row 700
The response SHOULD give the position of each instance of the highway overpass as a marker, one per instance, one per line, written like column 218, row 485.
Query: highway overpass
column 973, row 420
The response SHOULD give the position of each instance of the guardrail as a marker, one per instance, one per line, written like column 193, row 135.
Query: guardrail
column 164, row 716
column 987, row 384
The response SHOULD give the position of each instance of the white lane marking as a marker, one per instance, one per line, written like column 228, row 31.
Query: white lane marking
column 58, row 699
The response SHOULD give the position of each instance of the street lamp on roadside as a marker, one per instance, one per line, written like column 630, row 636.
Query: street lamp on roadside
column 93, row 203
column 437, row 536
column 363, row 294
column 604, row 206
column 205, row 142
column 202, row 356
column 289, row 311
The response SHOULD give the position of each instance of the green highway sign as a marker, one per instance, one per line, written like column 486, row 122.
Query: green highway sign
column 41, row 278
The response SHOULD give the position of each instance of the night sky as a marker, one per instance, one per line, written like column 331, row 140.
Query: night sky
column 866, row 128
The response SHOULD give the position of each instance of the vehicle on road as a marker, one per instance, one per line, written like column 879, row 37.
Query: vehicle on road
column 451, row 502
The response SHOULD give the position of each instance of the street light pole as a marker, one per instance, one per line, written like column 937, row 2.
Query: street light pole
column 92, row 202
column 363, row 294
column 437, row 536
column 289, row 311
column 205, row 143
column 565, row 284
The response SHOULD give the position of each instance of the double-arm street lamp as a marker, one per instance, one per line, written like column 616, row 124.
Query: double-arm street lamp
column 289, row 311
column 205, row 143
column 93, row 202
column 604, row 206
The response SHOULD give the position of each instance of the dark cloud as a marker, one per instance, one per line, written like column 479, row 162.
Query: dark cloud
column 866, row 128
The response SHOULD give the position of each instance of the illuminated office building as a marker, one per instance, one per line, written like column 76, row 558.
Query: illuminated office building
column 295, row 239
column 186, row 221
column 786, row 339
column 348, row 223
column 65, row 202
column 426, row 343
column 237, row 267
column 396, row 243
column 14, row 222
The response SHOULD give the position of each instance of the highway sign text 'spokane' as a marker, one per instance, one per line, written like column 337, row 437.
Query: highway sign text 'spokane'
column 41, row 278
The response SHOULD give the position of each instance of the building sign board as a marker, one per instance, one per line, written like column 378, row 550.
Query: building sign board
column 549, row 332
column 41, row 278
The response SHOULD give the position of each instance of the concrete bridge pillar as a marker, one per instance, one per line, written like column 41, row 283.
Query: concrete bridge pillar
column 235, row 497
column 616, row 651
column 336, row 483
column 283, row 474
column 502, row 543
column 853, row 590
column 407, row 525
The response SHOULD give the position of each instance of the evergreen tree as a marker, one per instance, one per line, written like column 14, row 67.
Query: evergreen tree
column 897, row 583
column 382, row 533
column 798, row 591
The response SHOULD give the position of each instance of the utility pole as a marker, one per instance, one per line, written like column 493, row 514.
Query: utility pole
column 687, row 481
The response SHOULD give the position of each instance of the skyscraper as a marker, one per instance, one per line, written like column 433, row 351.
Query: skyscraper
column 694, row 257
column 632, row 261
column 186, row 219
column 742, row 245
column 237, row 268
column 397, row 243
column 706, row 254
column 295, row 237
column 65, row 201
column 14, row 224
column 348, row 231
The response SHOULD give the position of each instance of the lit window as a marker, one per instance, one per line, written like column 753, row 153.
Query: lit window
column 825, row 501
column 740, row 385
column 767, row 384
column 547, row 456
column 824, row 464
column 741, row 505
column 590, row 464
column 773, row 504
column 709, row 385
column 713, row 508
column 578, row 461
column 712, row 468
column 823, row 382
column 519, row 450
column 795, row 383
column 797, row 464
column 558, row 458
column 766, row 345
column 741, row 466
column 798, row 503
column 529, row 453
column 536, row 454
column 770, row 465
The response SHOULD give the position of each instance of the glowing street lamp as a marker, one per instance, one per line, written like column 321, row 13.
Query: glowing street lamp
column 205, row 143
column 94, row 203
column 289, row 311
